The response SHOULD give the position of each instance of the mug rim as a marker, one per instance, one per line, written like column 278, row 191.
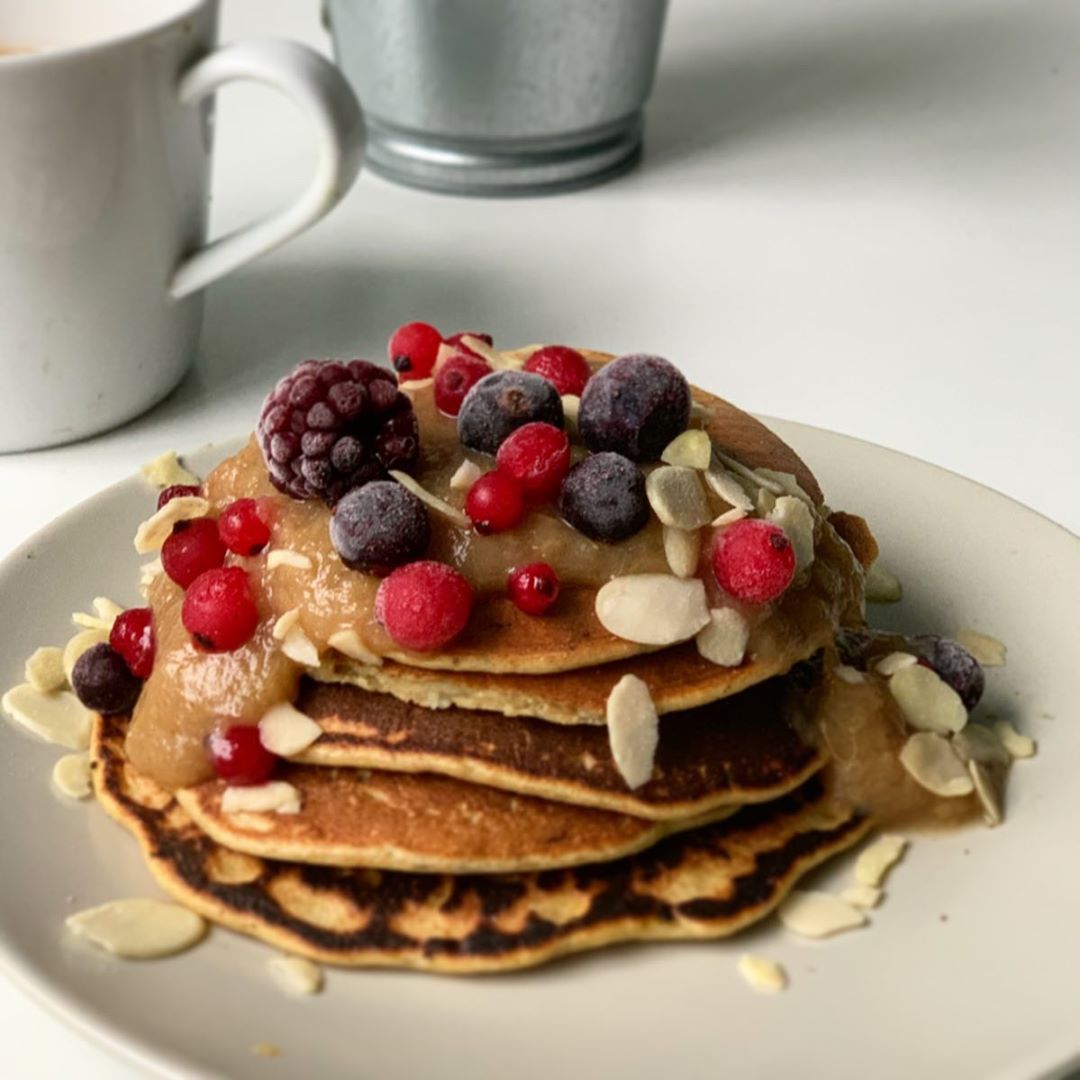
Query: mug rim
column 63, row 53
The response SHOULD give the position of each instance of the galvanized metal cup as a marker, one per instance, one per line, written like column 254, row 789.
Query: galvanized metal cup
column 500, row 97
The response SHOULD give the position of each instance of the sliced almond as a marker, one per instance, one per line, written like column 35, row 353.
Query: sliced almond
column 107, row 609
column 139, row 928
column 692, row 449
column 846, row 673
column 764, row 502
column 934, row 764
column 284, row 623
column 633, row 730
column 894, row 662
column 727, row 486
column 762, row 974
column 71, row 776
column 349, row 643
column 297, row 646
column 862, row 896
column 495, row 358
column 724, row 639
column 980, row 743
column 989, row 790
column 286, row 731
column 878, row 858
column 819, row 914
column 275, row 797
column 295, row 975
column 986, row 649
column 1018, row 746
column 787, row 482
column 677, row 497
column 927, row 701
column 284, row 557
column 729, row 517
column 465, row 475
column 517, row 358
column 652, row 609
column 440, row 506
column 571, row 410
column 85, row 639
column 415, row 386
column 153, row 532
column 58, row 717
column 45, row 669
column 683, row 550
column 882, row 586
column 148, row 572
column 793, row 516
column 753, row 477
column 165, row 471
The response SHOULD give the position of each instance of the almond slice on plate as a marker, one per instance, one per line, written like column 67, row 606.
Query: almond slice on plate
column 59, row 717
column 818, row 914
column 762, row 974
column 139, row 928
column 633, row 730
column 862, row 896
column 652, row 609
column 881, row 585
column 1018, row 745
column 295, row 975
column 980, row 743
column 986, row 649
column 166, row 471
column 44, row 670
column 71, row 776
column 934, row 764
column 878, row 858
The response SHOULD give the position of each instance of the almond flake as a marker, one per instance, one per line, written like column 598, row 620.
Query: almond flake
column 284, row 623
column 89, row 622
column 986, row 649
column 284, row 557
column 881, row 585
column 440, row 506
column 466, row 474
column 414, row 386
column 571, row 410
column 165, row 471
column 980, row 743
column 761, row 974
column 989, row 792
column 793, row 516
column 294, row 975
column 140, row 928
column 683, row 550
column 818, row 914
column 44, row 670
column 729, row 517
column 275, row 797
column 517, row 358
column 764, row 502
column 71, row 776
column 85, row 639
column 297, row 646
column 723, row 641
column 1018, row 746
column 877, row 859
column 751, row 476
column 58, row 717
column 846, row 673
column 728, row 488
column 349, row 643
column 633, row 729
column 894, row 662
column 862, row 896
column 495, row 358
column 153, row 532
column 148, row 572
column 692, row 449
column 652, row 609
column 284, row 730
column 677, row 497
column 927, row 701
column 108, row 610
column 788, row 484
column 935, row 765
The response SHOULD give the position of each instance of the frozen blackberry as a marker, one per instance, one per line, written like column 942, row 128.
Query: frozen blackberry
column 604, row 497
column 102, row 681
column 331, row 426
column 501, row 403
column 955, row 665
column 379, row 526
column 635, row 406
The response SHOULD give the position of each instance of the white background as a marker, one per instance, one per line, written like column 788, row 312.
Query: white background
column 861, row 214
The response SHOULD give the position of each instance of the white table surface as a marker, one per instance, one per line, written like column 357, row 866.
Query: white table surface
column 862, row 214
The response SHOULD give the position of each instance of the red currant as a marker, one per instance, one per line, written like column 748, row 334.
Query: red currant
column 566, row 369
column 176, row 491
column 238, row 755
column 455, row 378
column 753, row 560
column 132, row 636
column 537, row 456
column 424, row 605
column 413, row 349
column 219, row 610
column 533, row 588
column 242, row 529
column 192, row 548
column 457, row 341
column 495, row 502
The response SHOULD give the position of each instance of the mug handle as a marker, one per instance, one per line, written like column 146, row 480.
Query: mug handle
column 321, row 91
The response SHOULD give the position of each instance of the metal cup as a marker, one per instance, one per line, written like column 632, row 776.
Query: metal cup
column 500, row 97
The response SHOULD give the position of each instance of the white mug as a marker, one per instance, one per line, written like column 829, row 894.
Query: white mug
column 105, row 137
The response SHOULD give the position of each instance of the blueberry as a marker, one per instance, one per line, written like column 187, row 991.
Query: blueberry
column 102, row 681
column 379, row 526
column 604, row 497
column 501, row 403
column 635, row 406
column 956, row 666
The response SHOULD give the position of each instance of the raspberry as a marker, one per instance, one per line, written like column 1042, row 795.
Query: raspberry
column 424, row 605
column 455, row 377
column 103, row 682
column 379, row 526
column 459, row 344
column 501, row 403
column 753, row 561
column 192, row 548
column 533, row 588
column 495, row 503
column 413, row 349
column 330, row 426
column 219, row 610
column 537, row 456
column 132, row 636
column 604, row 498
column 176, row 491
column 566, row 369
column 238, row 755
column 242, row 529
column 635, row 406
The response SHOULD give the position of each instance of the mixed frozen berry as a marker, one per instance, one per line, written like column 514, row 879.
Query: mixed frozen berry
column 102, row 681
column 424, row 605
column 379, row 526
column 537, row 456
column 955, row 665
column 604, row 497
column 219, row 610
column 533, row 588
column 192, row 548
column 459, row 343
column 238, row 755
column 176, row 491
column 132, row 636
column 413, row 350
column 753, row 561
column 243, row 527
column 566, row 369
column 502, row 402
column 454, row 378
column 495, row 503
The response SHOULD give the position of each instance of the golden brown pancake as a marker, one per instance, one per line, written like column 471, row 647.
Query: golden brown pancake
column 707, row 883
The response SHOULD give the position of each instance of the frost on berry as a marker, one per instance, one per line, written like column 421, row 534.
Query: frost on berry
column 379, row 526
column 604, row 498
column 501, row 403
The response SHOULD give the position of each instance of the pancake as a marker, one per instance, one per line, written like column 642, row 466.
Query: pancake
column 749, row 748
column 707, row 883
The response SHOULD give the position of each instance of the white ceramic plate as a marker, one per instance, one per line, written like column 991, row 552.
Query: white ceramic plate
column 968, row 970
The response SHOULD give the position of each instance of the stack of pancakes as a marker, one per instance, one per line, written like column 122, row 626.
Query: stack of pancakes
column 462, row 811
